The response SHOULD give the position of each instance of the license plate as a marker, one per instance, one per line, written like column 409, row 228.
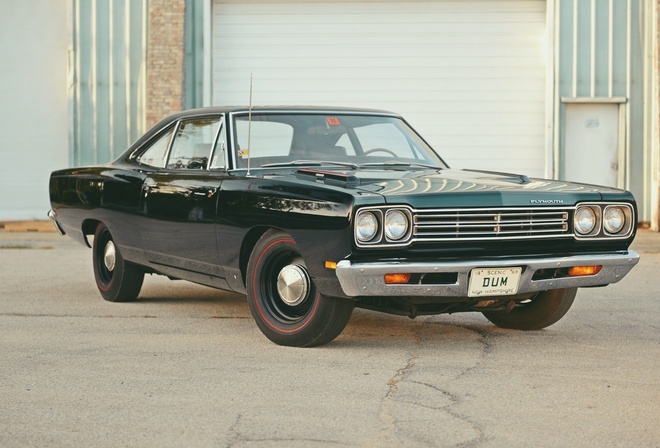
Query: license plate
column 494, row 282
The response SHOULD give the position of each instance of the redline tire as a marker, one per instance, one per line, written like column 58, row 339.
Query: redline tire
column 546, row 308
column 116, row 280
column 311, row 319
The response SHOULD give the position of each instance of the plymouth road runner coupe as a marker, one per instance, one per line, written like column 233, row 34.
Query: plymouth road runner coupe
column 311, row 212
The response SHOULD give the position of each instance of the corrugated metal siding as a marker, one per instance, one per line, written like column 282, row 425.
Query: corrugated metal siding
column 194, row 55
column 107, row 97
column 600, row 58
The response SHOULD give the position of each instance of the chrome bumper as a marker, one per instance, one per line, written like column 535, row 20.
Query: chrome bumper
column 52, row 215
column 367, row 279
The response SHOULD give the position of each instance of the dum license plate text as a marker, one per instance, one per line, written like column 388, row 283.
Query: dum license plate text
column 494, row 282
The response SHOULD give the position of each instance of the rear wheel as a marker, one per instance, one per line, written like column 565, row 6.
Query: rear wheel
column 541, row 311
column 283, row 299
column 117, row 280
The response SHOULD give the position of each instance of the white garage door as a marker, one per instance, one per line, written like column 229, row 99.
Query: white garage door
column 468, row 75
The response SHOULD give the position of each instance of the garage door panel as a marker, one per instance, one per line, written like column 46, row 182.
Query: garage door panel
column 468, row 75
column 448, row 68
column 277, row 72
column 342, row 35
column 455, row 56
column 391, row 7
column 441, row 93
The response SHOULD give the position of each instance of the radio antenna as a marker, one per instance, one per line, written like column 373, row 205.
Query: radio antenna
column 249, row 148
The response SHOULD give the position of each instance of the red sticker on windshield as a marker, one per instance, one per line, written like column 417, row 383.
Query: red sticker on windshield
column 333, row 121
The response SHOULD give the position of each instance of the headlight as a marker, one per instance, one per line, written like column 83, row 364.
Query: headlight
column 584, row 220
column 396, row 224
column 603, row 220
column 366, row 226
column 614, row 219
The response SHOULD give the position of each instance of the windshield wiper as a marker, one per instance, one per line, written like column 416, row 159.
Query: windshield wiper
column 353, row 166
column 398, row 164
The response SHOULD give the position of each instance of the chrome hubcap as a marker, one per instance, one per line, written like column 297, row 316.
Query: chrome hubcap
column 109, row 256
column 293, row 284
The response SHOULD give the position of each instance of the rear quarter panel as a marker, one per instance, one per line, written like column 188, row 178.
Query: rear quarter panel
column 110, row 194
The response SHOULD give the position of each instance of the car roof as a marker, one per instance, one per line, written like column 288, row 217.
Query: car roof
column 304, row 109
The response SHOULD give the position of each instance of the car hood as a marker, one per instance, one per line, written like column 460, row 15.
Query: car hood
column 459, row 188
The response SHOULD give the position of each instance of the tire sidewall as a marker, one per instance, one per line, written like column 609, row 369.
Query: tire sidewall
column 103, row 277
column 302, row 331
column 108, row 282
column 546, row 308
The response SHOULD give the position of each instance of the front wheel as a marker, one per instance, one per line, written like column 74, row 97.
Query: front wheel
column 541, row 311
column 117, row 280
column 283, row 299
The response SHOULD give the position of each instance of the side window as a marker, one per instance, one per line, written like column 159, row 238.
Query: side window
column 220, row 148
column 155, row 155
column 192, row 144
column 384, row 136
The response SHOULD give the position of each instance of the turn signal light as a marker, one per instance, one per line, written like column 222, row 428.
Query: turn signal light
column 330, row 264
column 579, row 271
column 397, row 279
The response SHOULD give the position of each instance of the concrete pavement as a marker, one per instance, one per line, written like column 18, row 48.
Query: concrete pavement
column 185, row 365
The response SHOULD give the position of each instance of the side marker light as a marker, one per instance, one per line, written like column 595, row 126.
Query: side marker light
column 580, row 271
column 397, row 279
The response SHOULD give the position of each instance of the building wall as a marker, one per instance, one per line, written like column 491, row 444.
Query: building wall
column 601, row 67
column 107, row 73
column 53, row 34
column 655, row 115
column 165, row 59
column 33, row 104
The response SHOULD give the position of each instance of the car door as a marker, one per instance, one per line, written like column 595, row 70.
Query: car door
column 180, row 201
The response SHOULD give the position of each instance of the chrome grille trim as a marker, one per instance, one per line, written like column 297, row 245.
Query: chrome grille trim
column 472, row 224
column 497, row 224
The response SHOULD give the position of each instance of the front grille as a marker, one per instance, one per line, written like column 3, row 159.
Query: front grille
column 490, row 223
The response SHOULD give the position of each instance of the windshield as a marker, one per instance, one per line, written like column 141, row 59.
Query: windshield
column 282, row 139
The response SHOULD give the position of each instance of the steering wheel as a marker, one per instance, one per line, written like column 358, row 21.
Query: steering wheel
column 366, row 153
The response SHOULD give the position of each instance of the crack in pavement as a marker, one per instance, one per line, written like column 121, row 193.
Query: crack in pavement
column 403, row 390
column 236, row 438
column 487, row 348
column 392, row 387
column 385, row 412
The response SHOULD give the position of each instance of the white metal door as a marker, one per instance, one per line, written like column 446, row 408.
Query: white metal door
column 592, row 143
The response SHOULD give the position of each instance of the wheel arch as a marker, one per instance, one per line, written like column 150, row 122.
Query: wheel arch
column 88, row 227
column 247, row 246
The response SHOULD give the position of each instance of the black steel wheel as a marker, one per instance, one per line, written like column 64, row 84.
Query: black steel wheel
column 117, row 280
column 283, row 299
column 541, row 311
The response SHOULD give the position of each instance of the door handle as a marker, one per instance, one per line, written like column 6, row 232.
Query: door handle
column 204, row 193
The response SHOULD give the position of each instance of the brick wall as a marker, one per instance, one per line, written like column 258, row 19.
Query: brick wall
column 165, row 66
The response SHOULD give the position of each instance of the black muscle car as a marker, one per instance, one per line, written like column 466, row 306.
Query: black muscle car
column 313, row 211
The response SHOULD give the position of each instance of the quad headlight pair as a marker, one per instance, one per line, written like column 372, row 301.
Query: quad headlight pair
column 602, row 220
column 392, row 225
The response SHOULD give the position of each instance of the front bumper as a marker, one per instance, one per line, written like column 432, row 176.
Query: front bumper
column 367, row 279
